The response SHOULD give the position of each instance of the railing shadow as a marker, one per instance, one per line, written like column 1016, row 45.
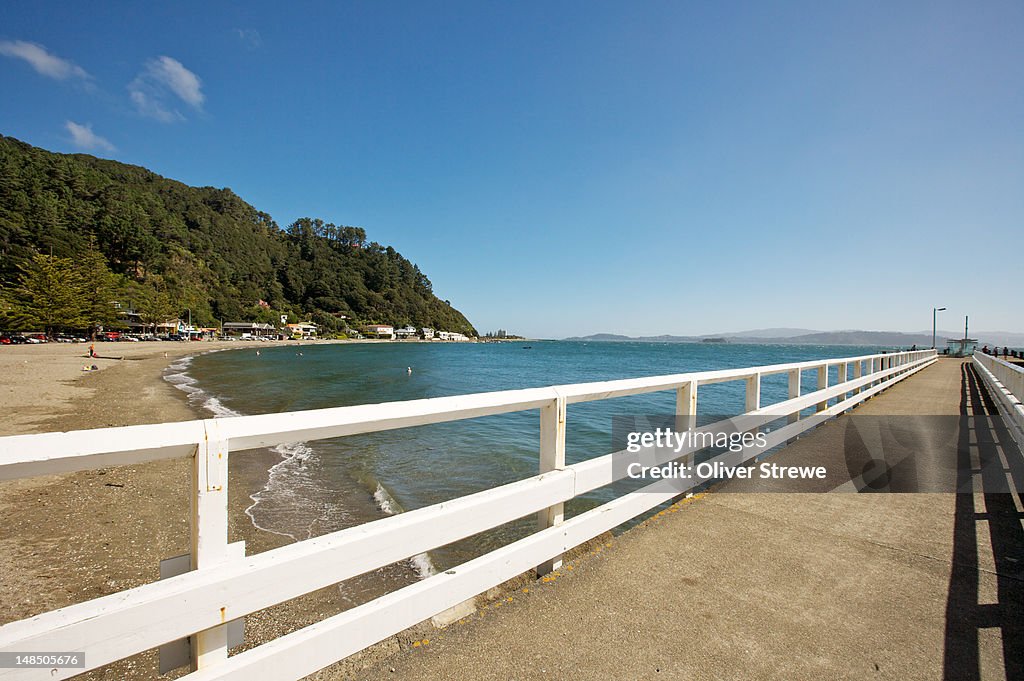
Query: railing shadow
column 965, row 616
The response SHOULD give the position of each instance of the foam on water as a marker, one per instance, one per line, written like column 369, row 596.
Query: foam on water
column 421, row 561
column 177, row 375
column 385, row 501
column 283, row 505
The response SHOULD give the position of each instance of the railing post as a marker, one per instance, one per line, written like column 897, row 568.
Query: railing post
column 794, row 392
column 840, row 379
column 686, row 414
column 858, row 368
column 552, row 458
column 753, row 399
column 686, row 406
column 822, row 384
column 210, row 531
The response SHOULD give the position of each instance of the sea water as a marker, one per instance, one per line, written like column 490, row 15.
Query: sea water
column 311, row 488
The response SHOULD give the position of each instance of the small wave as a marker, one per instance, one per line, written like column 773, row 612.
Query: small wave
column 423, row 565
column 177, row 375
column 299, row 451
column 386, row 502
column 281, row 486
column 421, row 562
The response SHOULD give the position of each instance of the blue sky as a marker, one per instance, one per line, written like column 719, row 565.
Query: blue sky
column 575, row 167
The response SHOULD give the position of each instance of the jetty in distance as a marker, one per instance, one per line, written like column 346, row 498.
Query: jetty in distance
column 858, row 585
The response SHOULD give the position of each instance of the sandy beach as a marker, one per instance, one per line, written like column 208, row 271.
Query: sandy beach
column 74, row 537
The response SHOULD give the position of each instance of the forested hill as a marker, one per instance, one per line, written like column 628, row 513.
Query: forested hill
column 202, row 248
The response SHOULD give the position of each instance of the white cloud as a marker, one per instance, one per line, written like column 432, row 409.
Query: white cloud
column 250, row 37
column 83, row 137
column 180, row 80
column 42, row 60
column 151, row 106
column 164, row 78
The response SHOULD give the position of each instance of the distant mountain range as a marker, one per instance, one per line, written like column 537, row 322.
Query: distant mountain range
column 791, row 336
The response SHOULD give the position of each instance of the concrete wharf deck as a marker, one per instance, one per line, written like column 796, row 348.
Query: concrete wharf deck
column 781, row 586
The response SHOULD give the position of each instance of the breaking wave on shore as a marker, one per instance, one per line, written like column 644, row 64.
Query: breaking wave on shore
column 177, row 375
column 387, row 504
column 297, row 501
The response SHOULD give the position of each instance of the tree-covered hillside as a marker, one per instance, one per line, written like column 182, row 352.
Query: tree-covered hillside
column 202, row 248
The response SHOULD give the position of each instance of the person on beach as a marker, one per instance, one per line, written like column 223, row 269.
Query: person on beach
column 92, row 350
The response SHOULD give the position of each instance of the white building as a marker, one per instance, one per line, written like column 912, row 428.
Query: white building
column 249, row 329
column 303, row 330
column 380, row 331
column 406, row 332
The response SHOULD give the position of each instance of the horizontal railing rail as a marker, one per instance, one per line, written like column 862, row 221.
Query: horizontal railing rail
column 220, row 589
column 1006, row 383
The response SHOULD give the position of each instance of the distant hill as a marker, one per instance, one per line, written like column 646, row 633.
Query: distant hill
column 204, row 249
column 817, row 338
column 601, row 337
column 783, row 332
column 864, row 338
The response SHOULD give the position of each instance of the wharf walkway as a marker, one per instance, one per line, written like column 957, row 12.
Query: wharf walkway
column 780, row 586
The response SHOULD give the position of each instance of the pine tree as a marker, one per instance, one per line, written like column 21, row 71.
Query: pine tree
column 46, row 296
column 98, row 288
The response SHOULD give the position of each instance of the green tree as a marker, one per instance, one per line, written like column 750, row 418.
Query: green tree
column 98, row 288
column 47, row 296
column 153, row 305
column 214, row 253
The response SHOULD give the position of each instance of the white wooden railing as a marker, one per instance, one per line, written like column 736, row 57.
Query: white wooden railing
column 1006, row 384
column 221, row 588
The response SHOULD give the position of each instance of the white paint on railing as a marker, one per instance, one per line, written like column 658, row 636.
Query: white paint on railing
column 552, row 458
column 220, row 590
column 1006, row 384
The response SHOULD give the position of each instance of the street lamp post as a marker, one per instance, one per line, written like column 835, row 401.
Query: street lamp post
column 188, row 329
column 935, row 311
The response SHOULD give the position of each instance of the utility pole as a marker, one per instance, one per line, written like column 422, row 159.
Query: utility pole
column 934, row 311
